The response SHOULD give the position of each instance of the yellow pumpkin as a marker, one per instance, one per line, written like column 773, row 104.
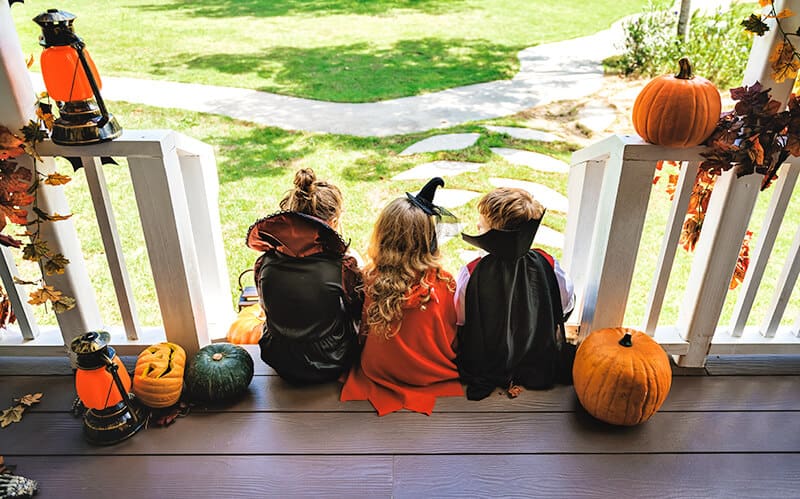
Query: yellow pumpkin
column 621, row 376
column 158, row 376
column 677, row 111
column 248, row 326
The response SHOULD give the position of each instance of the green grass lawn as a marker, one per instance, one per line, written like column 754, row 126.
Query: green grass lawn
column 335, row 50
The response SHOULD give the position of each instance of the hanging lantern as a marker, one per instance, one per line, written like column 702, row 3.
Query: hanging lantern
column 103, row 386
column 71, row 79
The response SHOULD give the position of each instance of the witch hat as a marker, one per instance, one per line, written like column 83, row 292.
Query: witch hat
column 424, row 200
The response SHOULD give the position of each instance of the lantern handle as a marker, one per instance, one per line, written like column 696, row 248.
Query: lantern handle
column 112, row 368
column 78, row 44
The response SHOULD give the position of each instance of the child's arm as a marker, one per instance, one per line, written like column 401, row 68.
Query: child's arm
column 353, row 287
column 460, row 298
column 565, row 286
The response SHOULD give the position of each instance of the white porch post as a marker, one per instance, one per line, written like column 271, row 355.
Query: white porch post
column 729, row 212
column 17, row 105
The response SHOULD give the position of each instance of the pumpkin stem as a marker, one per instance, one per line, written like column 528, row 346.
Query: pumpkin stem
column 626, row 340
column 685, row 72
column 217, row 356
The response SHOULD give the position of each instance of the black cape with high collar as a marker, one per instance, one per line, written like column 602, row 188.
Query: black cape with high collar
column 513, row 331
column 310, row 290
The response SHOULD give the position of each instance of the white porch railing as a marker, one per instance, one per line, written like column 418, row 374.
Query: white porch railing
column 175, row 183
column 609, row 189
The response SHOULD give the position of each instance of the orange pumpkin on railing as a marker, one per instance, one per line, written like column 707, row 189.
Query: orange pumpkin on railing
column 677, row 111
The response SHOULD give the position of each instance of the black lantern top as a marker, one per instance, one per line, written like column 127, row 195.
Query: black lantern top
column 56, row 28
column 92, row 349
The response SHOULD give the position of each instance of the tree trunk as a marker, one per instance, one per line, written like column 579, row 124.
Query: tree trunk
column 683, row 19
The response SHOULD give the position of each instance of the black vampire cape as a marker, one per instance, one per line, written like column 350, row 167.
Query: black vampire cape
column 311, row 292
column 513, row 331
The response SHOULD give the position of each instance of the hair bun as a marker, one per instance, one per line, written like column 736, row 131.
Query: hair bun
column 304, row 179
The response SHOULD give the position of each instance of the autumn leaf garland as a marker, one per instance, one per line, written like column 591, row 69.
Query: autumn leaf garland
column 19, row 187
column 784, row 60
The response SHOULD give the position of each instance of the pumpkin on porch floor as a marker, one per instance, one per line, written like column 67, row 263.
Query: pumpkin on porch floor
column 158, row 376
column 677, row 111
column 219, row 372
column 248, row 326
column 621, row 376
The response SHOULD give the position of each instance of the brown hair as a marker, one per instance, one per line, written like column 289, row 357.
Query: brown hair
column 398, row 258
column 506, row 208
column 314, row 197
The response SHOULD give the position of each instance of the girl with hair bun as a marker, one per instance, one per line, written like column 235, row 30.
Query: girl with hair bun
column 408, row 322
column 308, row 284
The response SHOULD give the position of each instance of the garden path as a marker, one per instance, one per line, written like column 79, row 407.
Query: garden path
column 549, row 72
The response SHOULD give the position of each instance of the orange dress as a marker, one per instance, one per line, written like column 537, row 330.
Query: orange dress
column 413, row 367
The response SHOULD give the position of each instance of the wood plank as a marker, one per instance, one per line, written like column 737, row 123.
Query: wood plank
column 272, row 394
column 326, row 433
column 663, row 476
column 208, row 476
column 753, row 365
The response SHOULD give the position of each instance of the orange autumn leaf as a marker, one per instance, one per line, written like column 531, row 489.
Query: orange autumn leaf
column 783, row 62
column 784, row 14
column 44, row 294
column 756, row 152
column 742, row 262
column 56, row 179
column 764, row 3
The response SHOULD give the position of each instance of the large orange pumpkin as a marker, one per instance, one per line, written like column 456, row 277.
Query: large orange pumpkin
column 677, row 111
column 621, row 376
column 248, row 326
column 158, row 377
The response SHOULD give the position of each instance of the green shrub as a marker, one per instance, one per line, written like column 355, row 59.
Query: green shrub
column 718, row 45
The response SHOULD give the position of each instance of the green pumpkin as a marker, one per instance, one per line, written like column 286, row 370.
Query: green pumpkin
column 219, row 372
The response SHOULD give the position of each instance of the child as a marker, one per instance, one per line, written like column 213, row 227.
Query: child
column 512, row 303
column 307, row 285
column 409, row 317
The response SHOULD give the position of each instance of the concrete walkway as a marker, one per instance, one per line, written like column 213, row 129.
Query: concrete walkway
column 565, row 70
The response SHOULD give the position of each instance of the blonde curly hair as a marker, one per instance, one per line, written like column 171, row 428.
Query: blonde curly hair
column 398, row 258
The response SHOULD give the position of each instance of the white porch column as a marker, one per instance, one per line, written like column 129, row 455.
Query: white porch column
column 729, row 212
column 17, row 105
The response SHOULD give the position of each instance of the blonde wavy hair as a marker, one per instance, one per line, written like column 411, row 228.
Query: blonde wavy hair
column 314, row 197
column 398, row 258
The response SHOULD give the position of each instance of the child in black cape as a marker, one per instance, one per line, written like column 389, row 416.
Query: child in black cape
column 308, row 285
column 512, row 303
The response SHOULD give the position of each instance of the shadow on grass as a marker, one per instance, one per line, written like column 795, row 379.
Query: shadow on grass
column 360, row 72
column 273, row 8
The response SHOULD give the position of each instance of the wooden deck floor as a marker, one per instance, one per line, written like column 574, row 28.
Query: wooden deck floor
column 732, row 430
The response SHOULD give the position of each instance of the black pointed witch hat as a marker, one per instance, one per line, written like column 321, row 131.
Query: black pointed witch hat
column 424, row 199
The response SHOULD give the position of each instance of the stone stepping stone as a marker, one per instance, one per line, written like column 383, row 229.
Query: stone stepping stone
column 448, row 142
column 550, row 199
column 438, row 169
column 597, row 117
column 535, row 160
column 546, row 236
column 524, row 133
column 453, row 198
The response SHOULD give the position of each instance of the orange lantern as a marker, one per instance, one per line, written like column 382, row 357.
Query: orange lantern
column 103, row 387
column 71, row 78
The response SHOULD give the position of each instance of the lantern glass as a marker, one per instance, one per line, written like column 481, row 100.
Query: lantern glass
column 96, row 387
column 64, row 76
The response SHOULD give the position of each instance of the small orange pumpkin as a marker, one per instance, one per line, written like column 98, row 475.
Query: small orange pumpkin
column 677, row 111
column 158, row 376
column 621, row 376
column 248, row 326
